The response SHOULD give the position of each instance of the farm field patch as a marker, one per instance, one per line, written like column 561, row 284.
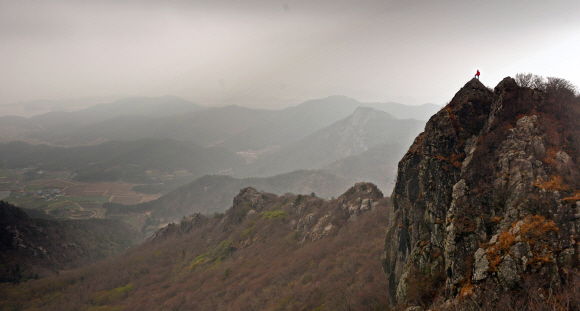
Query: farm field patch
column 63, row 198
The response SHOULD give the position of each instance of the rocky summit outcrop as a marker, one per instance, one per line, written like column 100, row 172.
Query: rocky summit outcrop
column 485, row 197
column 249, row 197
column 358, row 199
column 361, row 197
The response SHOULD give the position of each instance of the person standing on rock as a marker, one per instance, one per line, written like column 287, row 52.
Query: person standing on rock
column 477, row 74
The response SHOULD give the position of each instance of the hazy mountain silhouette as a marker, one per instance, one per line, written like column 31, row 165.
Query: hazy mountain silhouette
column 357, row 133
column 233, row 127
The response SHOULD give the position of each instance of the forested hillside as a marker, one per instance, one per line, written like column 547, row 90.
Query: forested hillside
column 266, row 253
column 36, row 248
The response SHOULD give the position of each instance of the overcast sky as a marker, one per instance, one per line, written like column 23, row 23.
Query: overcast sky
column 271, row 54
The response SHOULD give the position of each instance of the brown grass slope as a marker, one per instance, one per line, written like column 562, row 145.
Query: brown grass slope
column 266, row 253
column 34, row 248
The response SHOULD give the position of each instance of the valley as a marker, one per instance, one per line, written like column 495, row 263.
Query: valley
column 58, row 196
column 86, row 161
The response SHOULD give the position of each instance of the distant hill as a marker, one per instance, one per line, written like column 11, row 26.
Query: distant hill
column 233, row 127
column 377, row 165
column 400, row 111
column 33, row 248
column 35, row 107
column 357, row 133
column 133, row 106
column 121, row 160
column 205, row 127
column 288, row 125
column 213, row 193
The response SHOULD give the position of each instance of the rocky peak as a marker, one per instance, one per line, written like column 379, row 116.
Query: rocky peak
column 508, row 84
column 249, row 197
column 193, row 221
column 361, row 197
column 487, row 165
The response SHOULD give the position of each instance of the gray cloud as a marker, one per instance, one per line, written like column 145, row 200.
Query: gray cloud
column 407, row 51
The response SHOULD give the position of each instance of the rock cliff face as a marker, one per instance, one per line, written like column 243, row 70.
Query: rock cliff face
column 484, row 197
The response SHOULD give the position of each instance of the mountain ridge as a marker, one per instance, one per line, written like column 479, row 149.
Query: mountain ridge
column 485, row 199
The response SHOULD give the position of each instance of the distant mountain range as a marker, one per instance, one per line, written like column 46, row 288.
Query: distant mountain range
column 124, row 139
column 233, row 127
column 351, row 136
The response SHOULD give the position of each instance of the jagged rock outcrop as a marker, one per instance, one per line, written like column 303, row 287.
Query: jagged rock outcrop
column 185, row 226
column 193, row 221
column 359, row 198
column 356, row 200
column 480, row 197
column 249, row 197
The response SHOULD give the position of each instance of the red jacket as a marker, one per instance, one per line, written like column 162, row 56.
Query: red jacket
column 477, row 74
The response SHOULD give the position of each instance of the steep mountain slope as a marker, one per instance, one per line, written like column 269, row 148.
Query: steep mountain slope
column 487, row 201
column 266, row 253
column 33, row 248
column 212, row 194
column 362, row 130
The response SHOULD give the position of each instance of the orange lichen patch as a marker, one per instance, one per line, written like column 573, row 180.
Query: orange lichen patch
column 551, row 155
column 499, row 249
column 496, row 219
column 534, row 229
column 506, row 240
column 454, row 159
column 457, row 159
column 467, row 290
column 574, row 198
column 556, row 183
